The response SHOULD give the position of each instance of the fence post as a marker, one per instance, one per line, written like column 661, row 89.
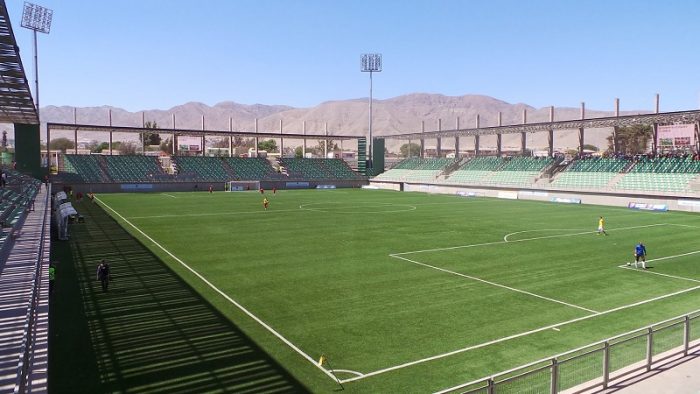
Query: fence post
column 686, row 334
column 490, row 386
column 606, row 364
column 555, row 377
column 650, row 347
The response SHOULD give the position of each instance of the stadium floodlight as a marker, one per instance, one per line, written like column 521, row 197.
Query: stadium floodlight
column 38, row 19
column 371, row 63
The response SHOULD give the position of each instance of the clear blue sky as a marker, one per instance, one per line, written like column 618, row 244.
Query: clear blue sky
column 155, row 54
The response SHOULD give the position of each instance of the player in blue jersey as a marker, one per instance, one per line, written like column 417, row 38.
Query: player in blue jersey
column 640, row 253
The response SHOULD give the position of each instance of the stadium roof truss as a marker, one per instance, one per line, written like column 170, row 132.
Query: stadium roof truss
column 193, row 132
column 16, row 103
column 592, row 123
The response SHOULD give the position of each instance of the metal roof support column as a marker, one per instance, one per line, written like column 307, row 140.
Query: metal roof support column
column 438, row 147
column 204, row 139
column 281, row 141
column 523, row 135
column 325, row 142
column 457, row 156
column 303, row 146
column 257, row 141
column 550, row 137
column 654, row 142
column 143, row 134
column 110, row 132
column 230, row 137
column 616, row 130
column 422, row 140
column 174, row 137
column 499, row 140
column 697, row 137
column 75, row 133
column 476, row 137
column 581, row 130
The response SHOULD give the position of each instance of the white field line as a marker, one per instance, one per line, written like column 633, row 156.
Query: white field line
column 683, row 225
column 262, row 212
column 495, row 284
column 522, row 334
column 348, row 371
column 624, row 266
column 505, row 237
column 229, row 299
column 672, row 257
column 169, row 195
column 523, row 240
column 180, row 215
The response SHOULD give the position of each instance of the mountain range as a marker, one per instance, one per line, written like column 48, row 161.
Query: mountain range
column 402, row 114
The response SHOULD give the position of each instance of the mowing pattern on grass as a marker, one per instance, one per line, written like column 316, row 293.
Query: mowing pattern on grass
column 151, row 332
column 408, row 291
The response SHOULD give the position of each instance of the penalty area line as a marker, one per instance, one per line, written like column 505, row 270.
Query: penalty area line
column 514, row 336
column 226, row 296
column 495, row 284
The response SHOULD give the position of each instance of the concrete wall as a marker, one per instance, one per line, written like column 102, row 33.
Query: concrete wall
column 674, row 203
column 187, row 186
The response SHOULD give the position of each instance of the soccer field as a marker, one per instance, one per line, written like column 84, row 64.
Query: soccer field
column 411, row 292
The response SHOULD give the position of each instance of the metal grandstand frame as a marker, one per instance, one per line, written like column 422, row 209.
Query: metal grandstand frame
column 198, row 132
column 16, row 103
column 75, row 128
column 655, row 119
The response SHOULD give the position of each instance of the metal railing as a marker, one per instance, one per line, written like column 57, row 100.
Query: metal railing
column 596, row 364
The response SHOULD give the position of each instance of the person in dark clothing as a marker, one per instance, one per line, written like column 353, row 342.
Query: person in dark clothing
column 52, row 276
column 104, row 275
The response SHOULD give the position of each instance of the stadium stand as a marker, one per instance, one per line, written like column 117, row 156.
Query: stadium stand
column 317, row 168
column 519, row 171
column 656, row 182
column 85, row 168
column 137, row 168
column 202, row 169
column 134, row 168
column 251, row 168
column 416, row 169
column 590, row 173
column 663, row 174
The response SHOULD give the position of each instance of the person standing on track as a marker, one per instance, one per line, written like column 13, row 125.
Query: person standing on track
column 104, row 275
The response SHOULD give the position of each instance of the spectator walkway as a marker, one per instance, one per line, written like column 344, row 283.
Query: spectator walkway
column 16, row 284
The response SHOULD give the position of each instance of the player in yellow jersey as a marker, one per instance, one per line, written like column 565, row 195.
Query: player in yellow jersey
column 266, row 203
column 601, row 226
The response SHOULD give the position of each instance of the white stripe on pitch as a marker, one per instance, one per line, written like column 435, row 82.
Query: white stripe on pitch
column 523, row 240
column 496, row 284
column 229, row 299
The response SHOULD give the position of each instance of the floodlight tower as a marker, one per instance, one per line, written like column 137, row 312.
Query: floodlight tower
column 38, row 19
column 371, row 62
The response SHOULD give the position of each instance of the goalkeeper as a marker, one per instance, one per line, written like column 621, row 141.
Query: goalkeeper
column 640, row 253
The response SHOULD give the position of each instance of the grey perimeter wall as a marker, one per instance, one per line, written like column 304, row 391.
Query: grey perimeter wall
column 163, row 187
column 674, row 203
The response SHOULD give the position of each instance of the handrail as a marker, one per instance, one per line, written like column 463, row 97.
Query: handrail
column 494, row 378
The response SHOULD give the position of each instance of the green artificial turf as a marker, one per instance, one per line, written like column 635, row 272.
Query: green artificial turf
column 391, row 285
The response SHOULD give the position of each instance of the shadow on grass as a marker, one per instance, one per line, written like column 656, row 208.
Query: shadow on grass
column 151, row 332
